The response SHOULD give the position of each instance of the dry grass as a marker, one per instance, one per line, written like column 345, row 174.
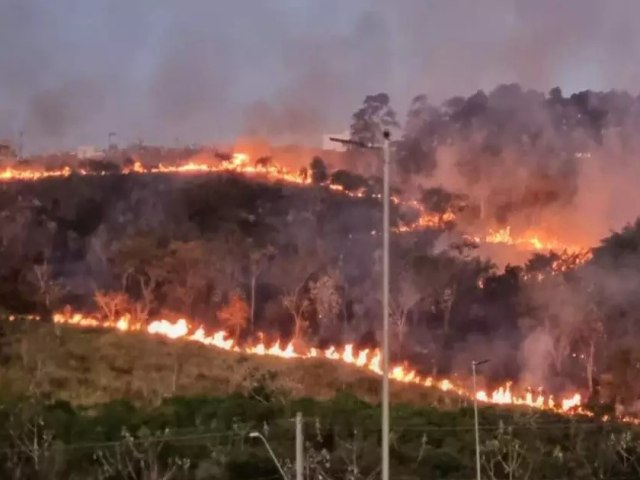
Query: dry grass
column 87, row 367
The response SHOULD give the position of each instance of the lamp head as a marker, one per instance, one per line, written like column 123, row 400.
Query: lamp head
column 481, row 362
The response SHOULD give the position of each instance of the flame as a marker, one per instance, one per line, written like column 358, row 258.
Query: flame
column 570, row 256
column 529, row 240
column 367, row 359
column 241, row 163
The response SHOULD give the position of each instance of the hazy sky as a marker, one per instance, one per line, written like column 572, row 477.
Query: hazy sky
column 202, row 70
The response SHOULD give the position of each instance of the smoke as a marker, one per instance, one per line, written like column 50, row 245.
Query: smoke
column 203, row 71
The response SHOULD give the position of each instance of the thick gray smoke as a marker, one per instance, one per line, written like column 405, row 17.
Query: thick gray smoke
column 201, row 71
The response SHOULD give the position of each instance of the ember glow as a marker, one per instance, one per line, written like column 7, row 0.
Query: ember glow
column 368, row 359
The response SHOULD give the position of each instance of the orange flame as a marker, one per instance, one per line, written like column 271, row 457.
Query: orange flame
column 240, row 163
column 366, row 359
column 530, row 240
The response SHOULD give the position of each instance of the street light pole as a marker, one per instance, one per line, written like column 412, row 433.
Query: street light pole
column 111, row 135
column 299, row 447
column 385, row 308
column 475, row 364
column 273, row 456
column 385, row 288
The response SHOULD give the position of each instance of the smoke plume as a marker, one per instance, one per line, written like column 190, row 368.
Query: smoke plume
column 199, row 71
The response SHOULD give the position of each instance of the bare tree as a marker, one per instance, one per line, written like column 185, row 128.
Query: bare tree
column 42, row 285
column 33, row 452
column 234, row 315
column 348, row 459
column 112, row 304
column 184, row 272
column 259, row 259
column 297, row 303
column 403, row 299
column 506, row 457
column 140, row 458
column 626, row 446
column 141, row 287
column 295, row 274
column 326, row 297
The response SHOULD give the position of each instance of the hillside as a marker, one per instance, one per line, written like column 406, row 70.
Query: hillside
column 98, row 404
column 92, row 366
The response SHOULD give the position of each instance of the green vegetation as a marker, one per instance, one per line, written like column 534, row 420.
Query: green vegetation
column 95, row 404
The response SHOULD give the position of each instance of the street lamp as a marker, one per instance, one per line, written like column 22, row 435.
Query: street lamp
column 273, row 456
column 385, row 290
column 475, row 364
column 109, row 141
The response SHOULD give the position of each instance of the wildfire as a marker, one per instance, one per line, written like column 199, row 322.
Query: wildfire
column 241, row 163
column 529, row 240
column 367, row 359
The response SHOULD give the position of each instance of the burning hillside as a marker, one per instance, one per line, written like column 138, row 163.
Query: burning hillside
column 269, row 170
column 250, row 244
column 367, row 359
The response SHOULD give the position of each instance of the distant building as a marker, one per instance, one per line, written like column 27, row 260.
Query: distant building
column 6, row 150
column 89, row 152
column 327, row 144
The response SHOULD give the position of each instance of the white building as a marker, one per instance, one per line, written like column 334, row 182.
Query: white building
column 89, row 152
column 327, row 144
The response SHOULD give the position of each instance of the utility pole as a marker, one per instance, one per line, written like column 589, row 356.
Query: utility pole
column 475, row 364
column 385, row 290
column 385, row 307
column 111, row 135
column 20, row 144
column 299, row 447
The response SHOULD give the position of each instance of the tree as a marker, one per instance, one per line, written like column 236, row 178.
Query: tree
column 436, row 276
column 591, row 330
column 264, row 162
column 297, row 302
column 294, row 271
column 416, row 149
column 46, row 288
column 326, row 297
column 141, row 457
column 506, row 457
column 35, row 453
column 185, row 272
column 350, row 182
column 439, row 200
column 403, row 298
column 259, row 259
column 318, row 171
column 137, row 262
column 112, row 304
column 372, row 118
column 234, row 315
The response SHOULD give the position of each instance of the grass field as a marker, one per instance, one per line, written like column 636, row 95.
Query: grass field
column 92, row 366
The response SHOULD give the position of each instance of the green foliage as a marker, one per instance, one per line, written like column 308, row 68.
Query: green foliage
column 372, row 118
column 191, row 437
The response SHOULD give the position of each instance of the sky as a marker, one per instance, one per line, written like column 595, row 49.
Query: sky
column 165, row 71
